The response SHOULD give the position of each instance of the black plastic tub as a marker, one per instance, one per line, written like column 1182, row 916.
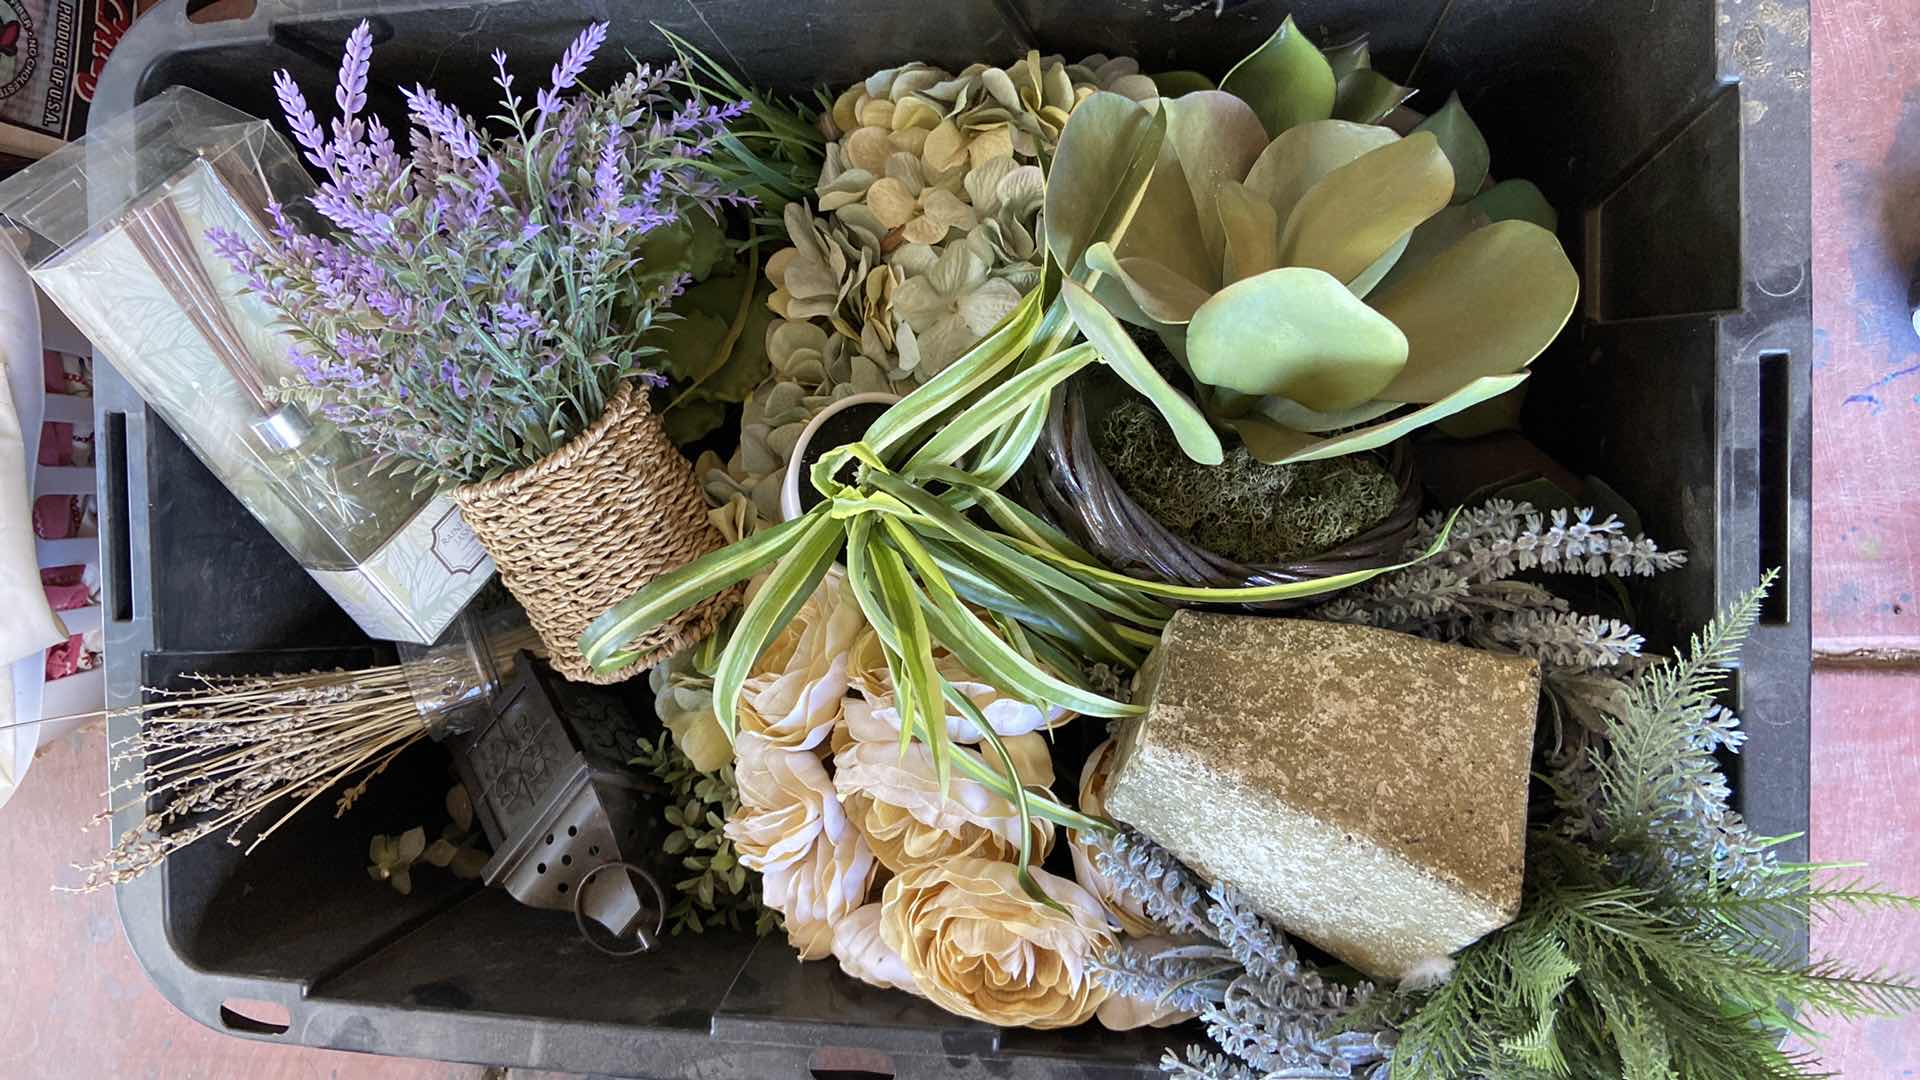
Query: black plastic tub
column 1672, row 136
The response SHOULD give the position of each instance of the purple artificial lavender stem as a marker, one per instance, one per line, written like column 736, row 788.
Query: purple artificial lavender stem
column 300, row 118
column 606, row 174
column 442, row 121
column 572, row 63
column 351, row 94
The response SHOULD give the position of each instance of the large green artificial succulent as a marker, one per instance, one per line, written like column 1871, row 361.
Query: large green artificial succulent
column 1329, row 284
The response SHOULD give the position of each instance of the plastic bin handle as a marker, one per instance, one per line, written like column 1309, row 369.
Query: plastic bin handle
column 116, row 541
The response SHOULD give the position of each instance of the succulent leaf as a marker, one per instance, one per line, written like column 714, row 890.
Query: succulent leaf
column 1366, row 97
column 1215, row 137
column 1172, row 84
column 1158, row 292
column 1486, row 306
column 1465, row 146
column 1252, row 232
column 1303, row 156
column 1517, row 200
column 1298, row 333
column 1348, row 57
column 1190, row 427
column 1108, row 137
column 1356, row 213
column 1286, row 80
column 1278, row 445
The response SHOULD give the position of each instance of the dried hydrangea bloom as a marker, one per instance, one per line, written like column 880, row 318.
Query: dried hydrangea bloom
column 683, row 699
column 792, row 695
column 953, row 305
column 916, row 202
column 895, row 801
column 1125, row 908
column 814, row 866
column 864, row 954
column 977, row 945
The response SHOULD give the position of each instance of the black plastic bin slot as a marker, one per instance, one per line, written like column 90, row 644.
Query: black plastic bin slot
column 1674, row 144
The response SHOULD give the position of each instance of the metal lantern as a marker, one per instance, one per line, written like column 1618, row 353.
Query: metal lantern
column 547, row 771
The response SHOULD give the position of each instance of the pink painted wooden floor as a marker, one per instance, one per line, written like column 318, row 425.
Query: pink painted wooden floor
column 74, row 1003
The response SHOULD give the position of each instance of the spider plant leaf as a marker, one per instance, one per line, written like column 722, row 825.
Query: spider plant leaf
column 1215, row 139
column 1366, row 96
column 1007, row 452
column 1486, row 306
column 1517, row 200
column 860, row 580
column 1000, row 665
column 1298, row 333
column 1286, row 80
column 1023, row 864
column 605, row 641
column 995, row 588
column 1000, row 407
column 1106, row 154
column 1359, row 211
column 918, row 694
column 1349, row 56
column 960, row 379
column 1190, row 428
column 1301, row 157
column 779, row 598
column 988, row 549
column 1464, row 145
column 1172, row 84
column 1279, row 445
column 1157, row 291
column 1258, row 594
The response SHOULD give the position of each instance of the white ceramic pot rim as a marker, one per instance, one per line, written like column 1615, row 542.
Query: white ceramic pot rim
column 790, row 484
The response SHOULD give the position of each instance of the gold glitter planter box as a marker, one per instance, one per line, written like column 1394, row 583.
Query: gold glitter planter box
column 1366, row 790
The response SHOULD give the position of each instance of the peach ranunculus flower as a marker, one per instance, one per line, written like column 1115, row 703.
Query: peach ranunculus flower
column 865, row 954
column 793, row 693
column 1126, row 910
column 977, row 945
column 1008, row 716
column 815, row 867
column 896, row 803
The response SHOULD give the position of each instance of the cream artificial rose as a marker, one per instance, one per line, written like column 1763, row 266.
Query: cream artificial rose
column 1007, row 716
column 896, row 803
column 814, row 866
column 1126, row 910
column 865, row 954
column 793, row 693
column 977, row 945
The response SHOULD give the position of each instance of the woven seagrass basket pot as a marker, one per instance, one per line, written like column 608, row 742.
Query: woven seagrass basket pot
column 1068, row 482
column 589, row 524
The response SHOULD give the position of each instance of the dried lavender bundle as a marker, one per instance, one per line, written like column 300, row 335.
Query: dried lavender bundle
column 220, row 756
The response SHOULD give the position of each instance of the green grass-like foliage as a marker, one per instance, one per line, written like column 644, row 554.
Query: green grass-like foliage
column 1647, row 947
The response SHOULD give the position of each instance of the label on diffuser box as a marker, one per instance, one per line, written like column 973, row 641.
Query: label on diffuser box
column 418, row 581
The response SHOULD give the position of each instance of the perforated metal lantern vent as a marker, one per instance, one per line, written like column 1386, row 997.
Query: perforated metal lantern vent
column 550, row 785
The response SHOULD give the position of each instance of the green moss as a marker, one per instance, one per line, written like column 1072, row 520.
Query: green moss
column 1243, row 508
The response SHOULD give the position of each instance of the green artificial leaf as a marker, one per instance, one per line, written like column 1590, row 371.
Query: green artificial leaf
column 1294, row 415
column 1190, row 428
column 1286, row 80
column 1303, row 156
column 1465, row 147
column 1296, row 332
column 1172, row 84
column 773, row 605
column 1495, row 414
column 961, row 379
column 1486, row 306
column 1359, row 211
column 1277, row 445
column 1216, row 138
column 691, row 421
column 694, row 243
column 1155, row 293
column 690, row 345
column 918, row 682
column 1366, row 97
column 1517, row 200
column 1101, row 166
column 1252, row 233
column 1435, row 235
column 1348, row 57
column 1000, row 407
column 1372, row 276
column 605, row 641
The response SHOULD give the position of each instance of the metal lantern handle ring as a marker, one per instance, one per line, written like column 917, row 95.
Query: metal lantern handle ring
column 646, row 939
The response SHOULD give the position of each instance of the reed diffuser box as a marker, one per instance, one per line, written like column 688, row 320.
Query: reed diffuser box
column 118, row 236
